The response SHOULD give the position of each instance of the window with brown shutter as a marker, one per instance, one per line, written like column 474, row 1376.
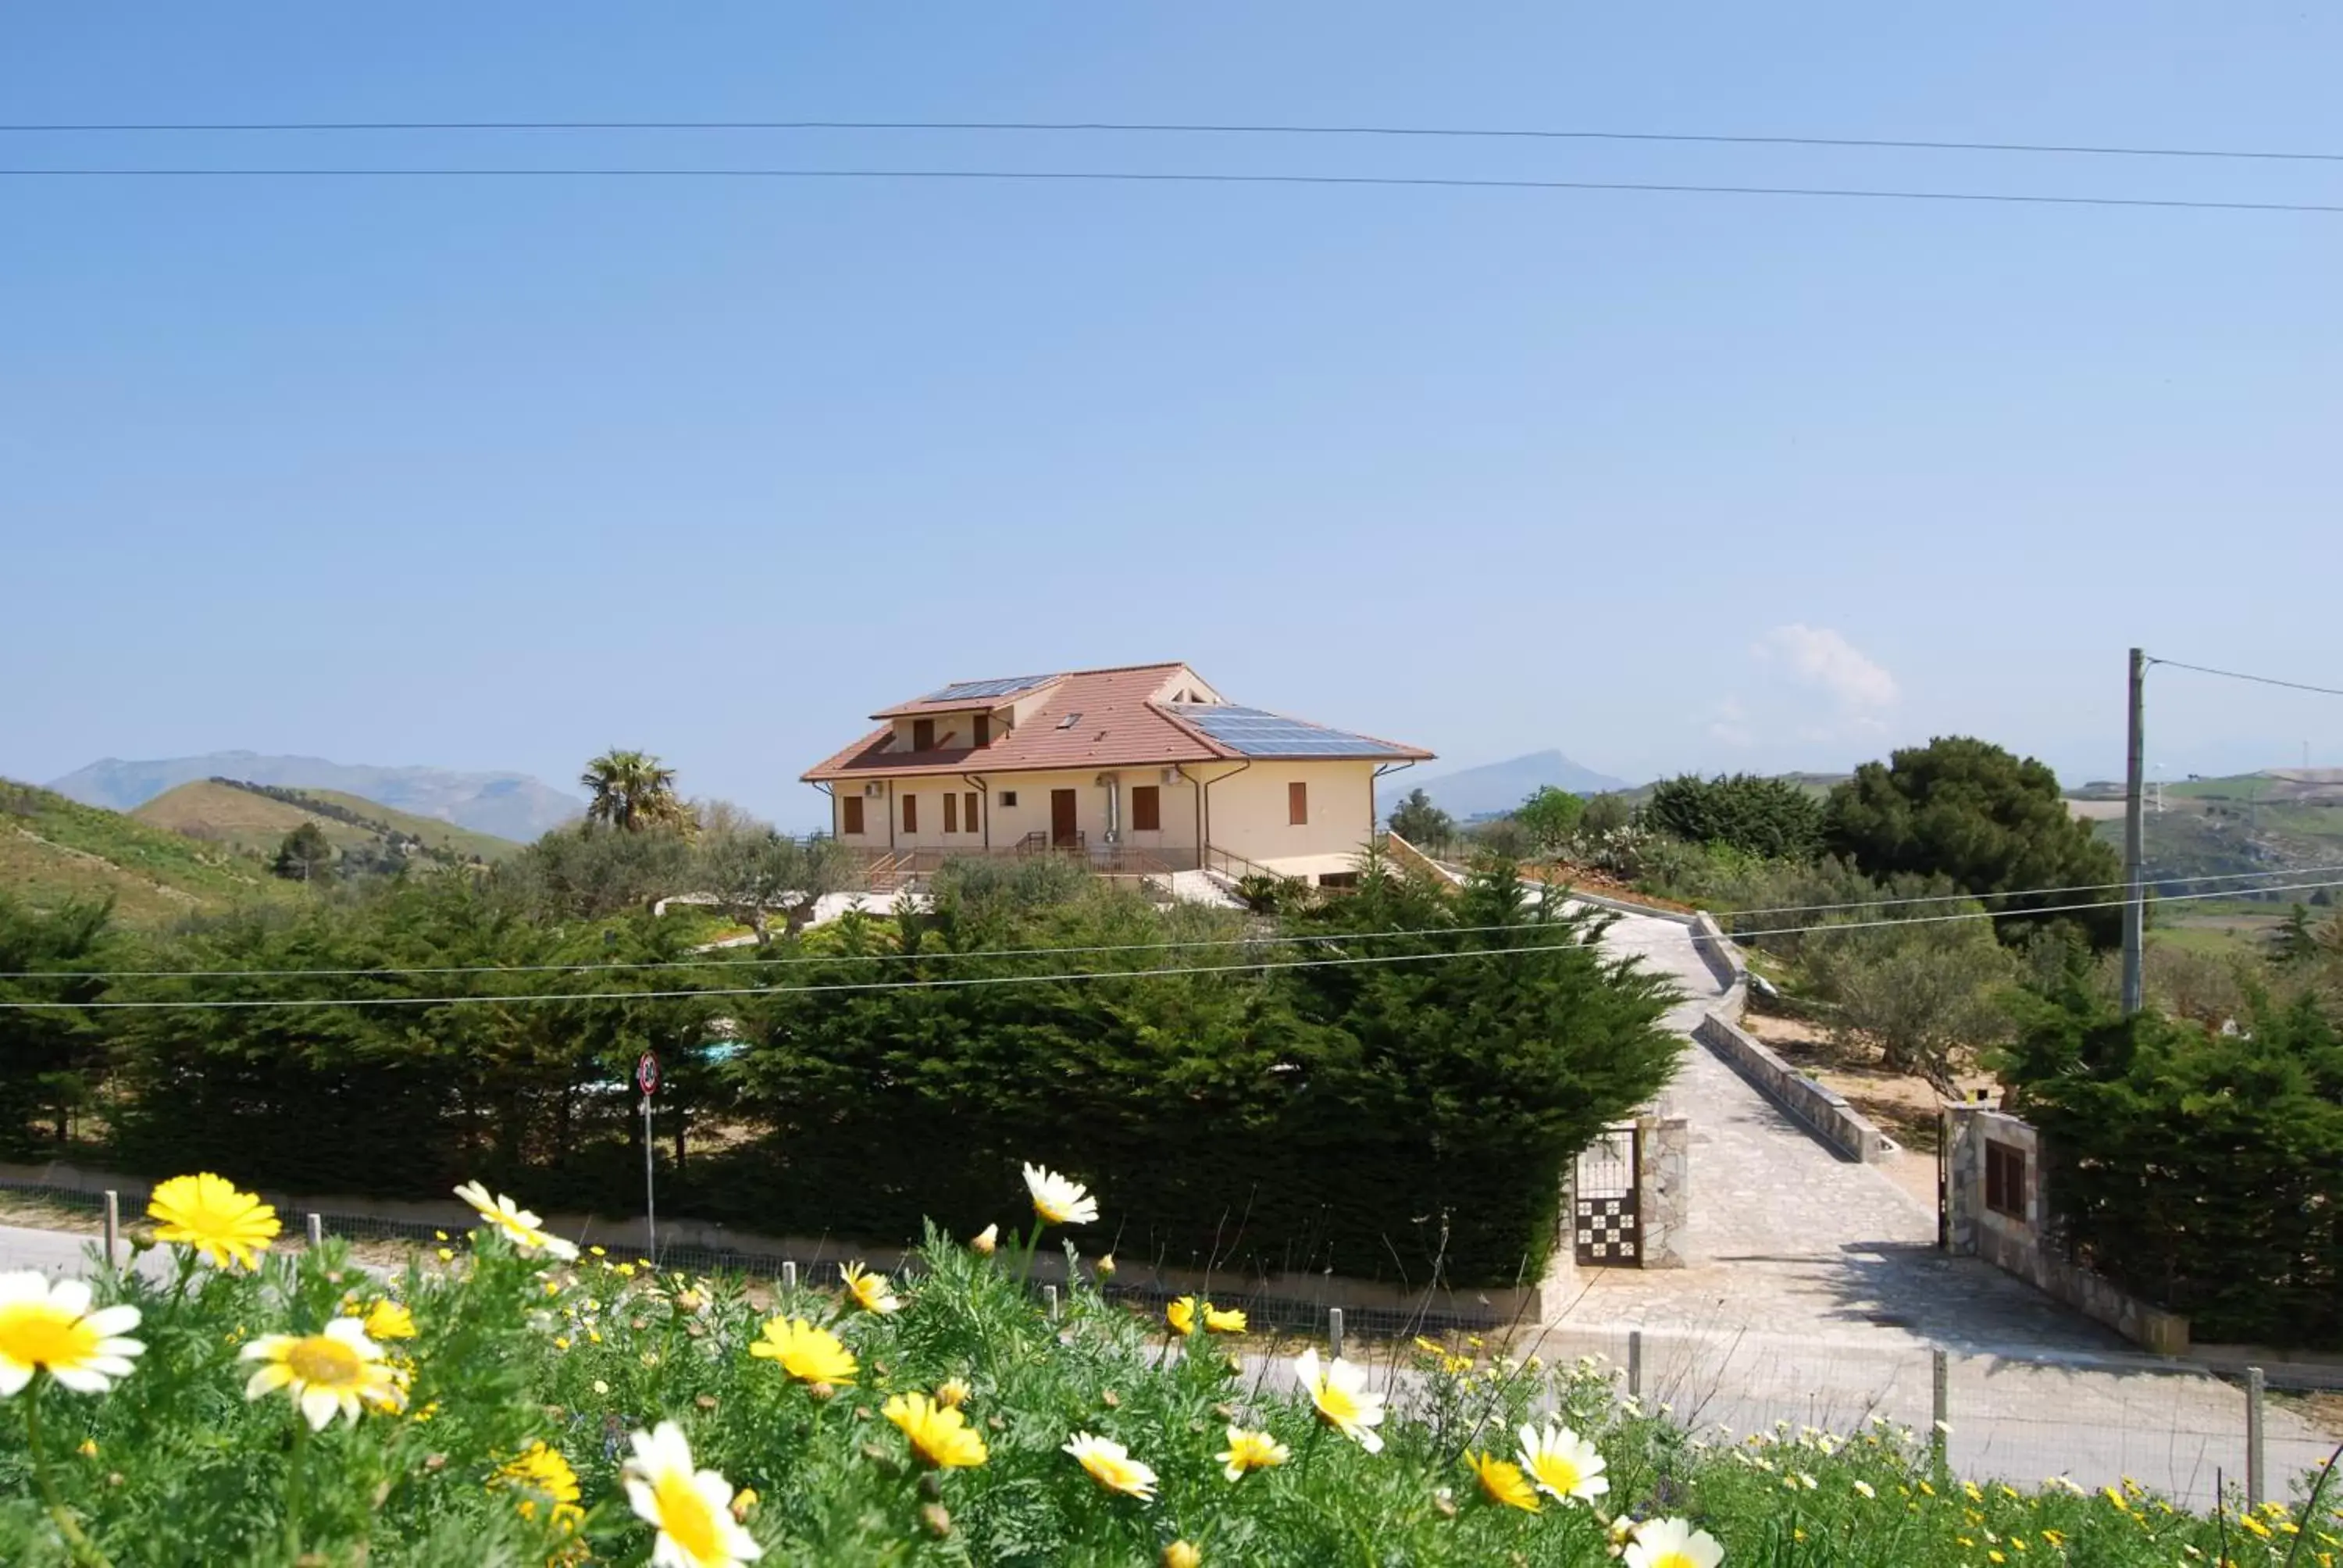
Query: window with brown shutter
column 923, row 735
column 2004, row 1179
column 911, row 813
column 1146, row 809
column 851, row 813
column 982, row 729
column 967, row 810
column 1297, row 804
column 952, row 812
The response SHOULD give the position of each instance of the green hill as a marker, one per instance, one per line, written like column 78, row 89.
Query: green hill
column 254, row 818
column 52, row 849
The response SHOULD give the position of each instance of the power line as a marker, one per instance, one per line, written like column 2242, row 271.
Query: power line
column 1124, row 127
column 2257, row 679
column 1153, row 177
column 957, row 982
column 950, row 955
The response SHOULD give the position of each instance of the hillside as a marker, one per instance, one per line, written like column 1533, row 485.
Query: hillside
column 1498, row 787
column 52, row 849
column 511, row 806
column 255, row 818
column 2286, row 817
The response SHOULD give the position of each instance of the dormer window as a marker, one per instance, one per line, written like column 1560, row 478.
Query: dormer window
column 982, row 728
column 923, row 735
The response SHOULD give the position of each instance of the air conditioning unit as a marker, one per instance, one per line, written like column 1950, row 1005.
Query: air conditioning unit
column 874, row 790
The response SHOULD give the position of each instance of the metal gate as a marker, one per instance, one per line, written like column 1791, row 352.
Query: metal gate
column 1602, row 1200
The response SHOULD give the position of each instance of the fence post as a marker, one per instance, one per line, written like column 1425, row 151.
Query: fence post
column 1049, row 1300
column 789, row 1274
column 1635, row 1363
column 316, row 1230
column 1941, row 1426
column 113, row 1226
column 2254, row 1475
column 1335, row 1331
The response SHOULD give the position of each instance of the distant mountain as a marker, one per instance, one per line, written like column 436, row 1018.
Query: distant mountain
column 1496, row 787
column 505, row 805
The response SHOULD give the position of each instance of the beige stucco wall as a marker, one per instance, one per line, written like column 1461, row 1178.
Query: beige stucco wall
column 1008, row 824
column 1247, row 813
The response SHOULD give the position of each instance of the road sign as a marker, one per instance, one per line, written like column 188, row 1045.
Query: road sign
column 646, row 1077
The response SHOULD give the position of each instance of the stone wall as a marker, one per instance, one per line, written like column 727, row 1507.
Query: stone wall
column 2020, row 1242
column 1822, row 1111
column 1663, row 1190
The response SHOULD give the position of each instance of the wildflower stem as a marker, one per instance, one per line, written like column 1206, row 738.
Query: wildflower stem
column 83, row 1551
column 295, row 1467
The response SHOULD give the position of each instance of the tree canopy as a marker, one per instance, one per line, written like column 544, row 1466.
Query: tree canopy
column 1550, row 817
column 1772, row 819
column 1983, row 818
column 1416, row 819
column 631, row 790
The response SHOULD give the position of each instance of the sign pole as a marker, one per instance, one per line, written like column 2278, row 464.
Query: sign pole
column 646, row 1079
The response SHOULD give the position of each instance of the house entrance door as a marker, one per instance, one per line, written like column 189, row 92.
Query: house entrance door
column 1062, row 832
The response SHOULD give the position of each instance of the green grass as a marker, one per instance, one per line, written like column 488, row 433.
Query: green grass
column 463, row 843
column 52, row 849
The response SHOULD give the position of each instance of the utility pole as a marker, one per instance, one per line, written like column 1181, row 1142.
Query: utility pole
column 2134, row 933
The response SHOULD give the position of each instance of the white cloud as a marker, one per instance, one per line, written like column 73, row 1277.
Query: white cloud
column 1730, row 724
column 1821, row 657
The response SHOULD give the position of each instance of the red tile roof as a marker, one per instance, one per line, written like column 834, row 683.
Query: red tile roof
column 1114, row 726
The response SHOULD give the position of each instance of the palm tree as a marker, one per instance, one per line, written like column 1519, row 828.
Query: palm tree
column 630, row 791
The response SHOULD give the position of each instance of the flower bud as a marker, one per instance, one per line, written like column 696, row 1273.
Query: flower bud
column 986, row 1240
column 1182, row 1554
column 935, row 1521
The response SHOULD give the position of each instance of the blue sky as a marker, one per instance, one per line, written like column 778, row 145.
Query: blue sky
column 497, row 474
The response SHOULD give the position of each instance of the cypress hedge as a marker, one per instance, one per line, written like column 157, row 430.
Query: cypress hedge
column 2198, row 1169
column 1394, row 1119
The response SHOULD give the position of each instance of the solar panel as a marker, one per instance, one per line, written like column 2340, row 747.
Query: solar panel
column 1255, row 733
column 968, row 690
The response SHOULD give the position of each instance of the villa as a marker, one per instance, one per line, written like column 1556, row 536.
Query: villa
column 1142, row 769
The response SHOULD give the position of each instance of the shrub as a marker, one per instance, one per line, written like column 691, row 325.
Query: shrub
column 1772, row 819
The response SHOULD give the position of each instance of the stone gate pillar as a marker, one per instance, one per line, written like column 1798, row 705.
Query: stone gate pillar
column 1663, row 1190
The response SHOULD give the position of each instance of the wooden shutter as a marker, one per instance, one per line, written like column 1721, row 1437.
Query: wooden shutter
column 1297, row 803
column 952, row 812
column 911, row 813
column 968, row 810
column 982, row 729
column 851, row 810
column 923, row 735
column 1146, row 809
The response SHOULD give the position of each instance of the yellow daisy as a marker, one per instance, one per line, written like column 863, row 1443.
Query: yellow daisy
column 387, row 1320
column 807, row 1352
column 1502, row 1482
column 954, row 1392
column 940, row 1434
column 525, row 1229
column 207, row 1213
column 869, row 1290
column 691, row 1510
column 1112, row 1466
column 541, row 1475
column 338, row 1371
column 1182, row 1554
column 46, row 1327
column 1251, row 1450
column 1224, row 1320
column 1181, row 1314
column 1344, row 1401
